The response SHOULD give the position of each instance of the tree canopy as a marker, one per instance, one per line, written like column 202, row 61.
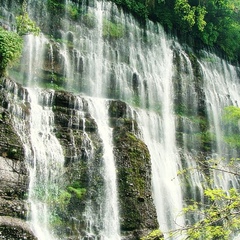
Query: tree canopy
column 209, row 23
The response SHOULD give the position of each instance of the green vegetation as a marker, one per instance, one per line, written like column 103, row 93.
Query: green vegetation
column 11, row 43
column 76, row 189
column 231, row 120
column 215, row 214
column 155, row 234
column 112, row 30
column 89, row 20
column 221, row 217
column 56, row 7
column 214, row 23
column 73, row 12
column 10, row 49
column 59, row 199
column 59, row 8
column 231, row 115
column 24, row 24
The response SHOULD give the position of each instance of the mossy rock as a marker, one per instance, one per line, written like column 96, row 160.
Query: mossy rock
column 154, row 235
column 134, row 182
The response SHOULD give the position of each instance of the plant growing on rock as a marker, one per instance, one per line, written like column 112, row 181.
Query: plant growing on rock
column 11, row 42
column 112, row 30
column 10, row 49
column 24, row 24
column 154, row 235
column 231, row 120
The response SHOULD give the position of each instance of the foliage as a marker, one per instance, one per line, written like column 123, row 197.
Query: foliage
column 231, row 119
column 56, row 7
column 112, row 30
column 73, row 11
column 10, row 48
column 137, row 7
column 89, row 20
column 155, row 234
column 205, row 23
column 231, row 115
column 221, row 217
column 58, row 199
column 217, row 216
column 76, row 189
column 11, row 43
column 24, row 24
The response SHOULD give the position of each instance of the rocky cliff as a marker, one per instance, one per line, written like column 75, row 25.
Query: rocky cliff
column 14, row 178
column 99, row 91
column 82, row 179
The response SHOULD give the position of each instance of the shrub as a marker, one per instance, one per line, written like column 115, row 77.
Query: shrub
column 112, row 30
column 10, row 49
column 24, row 24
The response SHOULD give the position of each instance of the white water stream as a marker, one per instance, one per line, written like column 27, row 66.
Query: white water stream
column 47, row 163
column 222, row 87
column 137, row 68
column 110, row 216
column 33, row 119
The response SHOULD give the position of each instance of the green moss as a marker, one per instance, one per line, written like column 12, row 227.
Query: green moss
column 79, row 192
column 12, row 152
column 51, row 86
column 63, row 198
column 233, row 140
column 154, row 235
column 25, row 25
column 55, row 220
column 73, row 12
column 76, row 189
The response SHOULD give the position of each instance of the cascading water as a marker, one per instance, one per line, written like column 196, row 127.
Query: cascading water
column 48, row 159
column 43, row 153
column 109, row 211
column 221, row 85
column 108, row 54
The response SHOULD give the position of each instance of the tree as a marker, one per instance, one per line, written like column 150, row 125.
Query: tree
column 216, row 214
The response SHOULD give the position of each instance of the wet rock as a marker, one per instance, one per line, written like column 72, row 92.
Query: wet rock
column 138, row 214
column 14, row 228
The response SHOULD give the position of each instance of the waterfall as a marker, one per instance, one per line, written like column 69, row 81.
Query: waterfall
column 221, row 85
column 48, row 159
column 99, row 53
column 166, row 186
column 109, row 211
column 33, row 120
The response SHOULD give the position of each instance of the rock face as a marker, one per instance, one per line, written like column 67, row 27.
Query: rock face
column 13, row 179
column 83, row 180
column 14, row 228
column 78, row 134
column 137, row 211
